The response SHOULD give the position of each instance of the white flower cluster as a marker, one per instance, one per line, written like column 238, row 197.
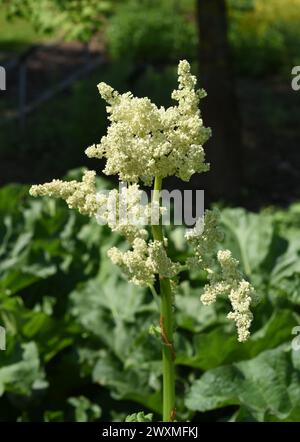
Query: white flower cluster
column 78, row 195
column 240, row 298
column 225, row 280
column 124, row 213
column 134, row 263
column 204, row 238
column 127, row 213
column 144, row 141
column 144, row 261
column 160, row 261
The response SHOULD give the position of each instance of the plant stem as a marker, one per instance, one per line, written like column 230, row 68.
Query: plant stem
column 166, row 327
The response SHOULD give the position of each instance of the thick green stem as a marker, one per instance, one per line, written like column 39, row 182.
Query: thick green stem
column 166, row 327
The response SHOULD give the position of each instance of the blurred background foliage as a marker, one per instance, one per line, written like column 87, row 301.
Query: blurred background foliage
column 264, row 35
column 81, row 342
column 141, row 50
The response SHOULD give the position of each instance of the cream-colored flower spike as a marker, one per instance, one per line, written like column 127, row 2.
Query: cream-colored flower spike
column 223, row 273
column 144, row 141
column 78, row 195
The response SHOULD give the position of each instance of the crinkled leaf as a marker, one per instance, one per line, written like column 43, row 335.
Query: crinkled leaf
column 191, row 313
column 133, row 383
column 219, row 346
column 248, row 236
column 84, row 409
column 268, row 384
column 139, row 417
column 24, row 375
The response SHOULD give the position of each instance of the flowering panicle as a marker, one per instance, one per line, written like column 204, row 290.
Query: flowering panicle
column 223, row 273
column 78, row 195
column 134, row 263
column 144, row 141
column 160, row 262
column 204, row 238
column 123, row 212
column 145, row 261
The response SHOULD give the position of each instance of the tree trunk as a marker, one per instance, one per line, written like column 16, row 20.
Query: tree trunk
column 220, row 111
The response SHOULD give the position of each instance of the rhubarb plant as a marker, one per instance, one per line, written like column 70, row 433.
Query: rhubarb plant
column 145, row 144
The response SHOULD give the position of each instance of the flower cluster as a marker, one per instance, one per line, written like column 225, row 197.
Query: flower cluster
column 204, row 238
column 78, row 195
column 145, row 261
column 144, row 141
column 223, row 273
column 123, row 212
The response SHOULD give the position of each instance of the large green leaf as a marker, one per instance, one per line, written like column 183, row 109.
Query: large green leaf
column 192, row 315
column 220, row 346
column 248, row 236
column 116, row 312
column 287, row 264
column 134, row 383
column 25, row 375
column 266, row 385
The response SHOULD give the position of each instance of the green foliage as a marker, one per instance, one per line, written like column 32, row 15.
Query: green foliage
column 16, row 35
column 241, row 5
column 75, row 19
column 85, row 410
column 249, row 236
column 139, row 417
column 265, row 36
column 151, row 31
column 79, row 341
column 25, row 375
column 267, row 387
